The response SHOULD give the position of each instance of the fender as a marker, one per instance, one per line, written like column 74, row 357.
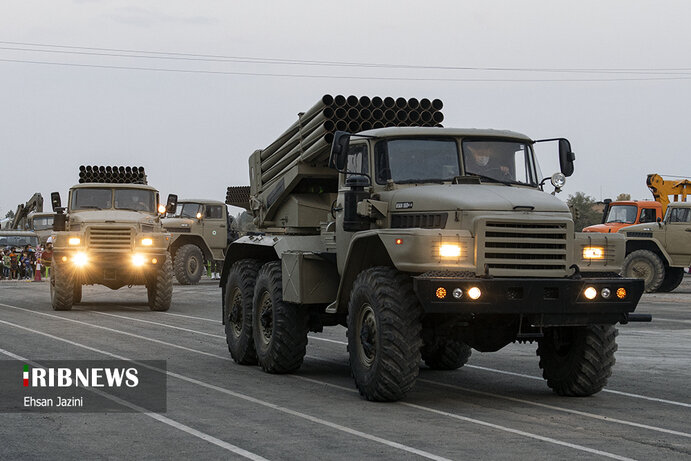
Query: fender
column 652, row 244
column 193, row 240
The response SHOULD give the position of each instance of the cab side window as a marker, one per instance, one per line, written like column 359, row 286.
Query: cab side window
column 213, row 212
column 682, row 215
column 647, row 215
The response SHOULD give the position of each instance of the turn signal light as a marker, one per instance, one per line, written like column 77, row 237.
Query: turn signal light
column 441, row 293
column 621, row 293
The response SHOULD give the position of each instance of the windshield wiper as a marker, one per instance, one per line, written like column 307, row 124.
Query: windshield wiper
column 411, row 181
column 130, row 209
column 89, row 207
column 489, row 178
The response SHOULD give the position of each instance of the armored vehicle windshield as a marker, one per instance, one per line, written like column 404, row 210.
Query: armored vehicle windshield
column 43, row 222
column 188, row 210
column 504, row 161
column 120, row 199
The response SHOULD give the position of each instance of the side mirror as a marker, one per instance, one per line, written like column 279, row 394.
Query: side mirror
column 566, row 157
column 55, row 200
column 339, row 150
column 659, row 222
column 171, row 203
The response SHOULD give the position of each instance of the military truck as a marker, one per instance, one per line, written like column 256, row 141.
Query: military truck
column 200, row 232
column 111, row 234
column 42, row 224
column 425, row 242
column 659, row 252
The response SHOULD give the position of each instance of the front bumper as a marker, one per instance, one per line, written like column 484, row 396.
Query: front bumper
column 545, row 301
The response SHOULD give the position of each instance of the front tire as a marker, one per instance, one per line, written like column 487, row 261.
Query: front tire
column 239, row 293
column 279, row 328
column 646, row 265
column 159, row 289
column 577, row 361
column 384, row 334
column 61, row 287
column 445, row 354
column 673, row 278
column 189, row 264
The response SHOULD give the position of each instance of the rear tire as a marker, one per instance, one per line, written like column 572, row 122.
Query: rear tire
column 279, row 328
column 160, row 287
column 189, row 264
column 577, row 361
column 646, row 265
column 61, row 287
column 384, row 334
column 445, row 354
column 673, row 278
column 239, row 294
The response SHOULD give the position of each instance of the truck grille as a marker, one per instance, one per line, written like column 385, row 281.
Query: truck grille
column 110, row 238
column 422, row 220
column 178, row 230
column 524, row 249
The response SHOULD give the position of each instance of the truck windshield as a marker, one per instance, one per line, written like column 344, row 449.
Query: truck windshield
column 187, row 210
column 416, row 160
column 18, row 241
column 503, row 161
column 105, row 198
column 43, row 223
column 622, row 214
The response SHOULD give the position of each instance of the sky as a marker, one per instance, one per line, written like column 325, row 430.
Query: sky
column 613, row 77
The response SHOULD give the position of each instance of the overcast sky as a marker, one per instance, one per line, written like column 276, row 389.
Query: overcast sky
column 620, row 88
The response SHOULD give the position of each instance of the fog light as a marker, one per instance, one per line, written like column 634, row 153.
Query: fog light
column 457, row 293
column 161, row 209
column 606, row 293
column 621, row 293
column 64, row 259
column 590, row 293
column 79, row 259
column 474, row 292
column 138, row 260
column 441, row 293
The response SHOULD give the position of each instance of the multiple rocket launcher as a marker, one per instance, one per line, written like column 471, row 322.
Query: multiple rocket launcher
column 112, row 174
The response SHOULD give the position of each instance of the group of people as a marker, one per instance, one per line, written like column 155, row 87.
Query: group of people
column 26, row 263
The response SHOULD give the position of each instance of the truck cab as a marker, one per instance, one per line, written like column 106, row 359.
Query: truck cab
column 627, row 213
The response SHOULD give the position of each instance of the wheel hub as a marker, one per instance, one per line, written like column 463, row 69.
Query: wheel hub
column 235, row 315
column 367, row 335
column 641, row 270
column 192, row 265
column 266, row 318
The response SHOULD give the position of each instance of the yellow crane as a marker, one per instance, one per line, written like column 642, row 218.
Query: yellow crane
column 662, row 189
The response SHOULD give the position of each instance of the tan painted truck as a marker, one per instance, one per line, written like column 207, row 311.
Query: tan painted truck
column 425, row 242
column 659, row 252
column 110, row 234
column 200, row 232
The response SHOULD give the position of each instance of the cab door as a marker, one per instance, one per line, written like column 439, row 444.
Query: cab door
column 215, row 230
column 358, row 162
column 678, row 235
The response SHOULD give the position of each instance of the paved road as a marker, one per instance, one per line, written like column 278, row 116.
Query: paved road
column 496, row 407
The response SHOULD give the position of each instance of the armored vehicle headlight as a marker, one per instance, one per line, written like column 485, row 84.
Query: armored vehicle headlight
column 74, row 241
column 138, row 260
column 449, row 250
column 593, row 253
column 80, row 259
column 147, row 242
column 590, row 292
column 558, row 180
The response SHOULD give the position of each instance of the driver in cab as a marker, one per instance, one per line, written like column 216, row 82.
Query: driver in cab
column 482, row 159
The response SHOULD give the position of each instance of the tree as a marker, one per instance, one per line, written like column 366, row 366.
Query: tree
column 582, row 209
column 10, row 214
column 621, row 197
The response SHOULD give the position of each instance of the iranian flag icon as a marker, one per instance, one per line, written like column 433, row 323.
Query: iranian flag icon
column 26, row 375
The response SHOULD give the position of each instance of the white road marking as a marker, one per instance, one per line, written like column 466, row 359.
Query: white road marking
column 247, row 398
column 537, row 378
column 165, row 420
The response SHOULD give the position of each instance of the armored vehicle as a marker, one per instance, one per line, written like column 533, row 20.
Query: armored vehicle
column 200, row 231
column 659, row 252
column 110, row 234
column 425, row 242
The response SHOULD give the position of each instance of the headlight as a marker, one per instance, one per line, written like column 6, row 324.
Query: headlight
column 593, row 253
column 590, row 293
column 447, row 250
column 138, row 260
column 79, row 259
column 147, row 242
column 74, row 241
column 161, row 208
column 558, row 180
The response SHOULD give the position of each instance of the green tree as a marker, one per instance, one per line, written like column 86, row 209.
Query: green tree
column 621, row 197
column 10, row 214
column 582, row 209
